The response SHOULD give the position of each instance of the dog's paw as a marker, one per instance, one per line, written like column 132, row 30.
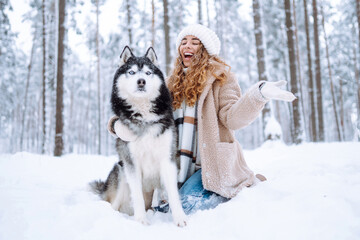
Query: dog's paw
column 180, row 221
column 115, row 206
column 142, row 220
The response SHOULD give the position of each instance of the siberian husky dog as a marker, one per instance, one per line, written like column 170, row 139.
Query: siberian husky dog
column 142, row 102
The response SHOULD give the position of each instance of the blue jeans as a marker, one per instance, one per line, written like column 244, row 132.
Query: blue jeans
column 194, row 197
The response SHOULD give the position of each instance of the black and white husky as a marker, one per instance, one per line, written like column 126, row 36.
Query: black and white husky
column 142, row 102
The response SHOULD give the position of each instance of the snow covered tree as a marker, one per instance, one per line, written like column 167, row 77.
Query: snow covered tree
column 333, row 97
column 28, row 113
column 358, row 77
column 97, row 41
column 299, row 68
column 51, row 49
column 43, row 78
column 311, row 98
column 24, row 111
column 11, row 78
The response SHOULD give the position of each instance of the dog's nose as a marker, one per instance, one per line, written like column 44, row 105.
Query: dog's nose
column 141, row 82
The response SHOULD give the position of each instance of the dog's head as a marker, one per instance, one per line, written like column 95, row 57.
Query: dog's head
column 138, row 77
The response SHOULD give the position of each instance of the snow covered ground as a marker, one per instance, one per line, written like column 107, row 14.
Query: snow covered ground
column 312, row 192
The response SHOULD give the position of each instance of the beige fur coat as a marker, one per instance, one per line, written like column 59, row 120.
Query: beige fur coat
column 221, row 110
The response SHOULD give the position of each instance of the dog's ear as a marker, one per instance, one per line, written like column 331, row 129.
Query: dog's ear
column 150, row 54
column 125, row 55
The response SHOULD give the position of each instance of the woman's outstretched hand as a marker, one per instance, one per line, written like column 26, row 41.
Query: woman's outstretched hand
column 119, row 130
column 123, row 132
column 271, row 90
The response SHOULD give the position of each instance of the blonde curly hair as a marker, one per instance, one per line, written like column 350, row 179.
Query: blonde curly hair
column 189, row 86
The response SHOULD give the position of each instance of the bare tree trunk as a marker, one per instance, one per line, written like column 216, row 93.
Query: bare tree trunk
column 43, row 81
column 128, row 10
column 59, row 144
column 153, row 24
column 293, row 78
column 320, row 117
column 311, row 81
column 98, row 76
column 167, row 37
column 260, row 54
column 302, row 98
column 330, row 78
column 200, row 21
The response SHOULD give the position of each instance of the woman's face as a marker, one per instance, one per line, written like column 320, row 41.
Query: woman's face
column 188, row 47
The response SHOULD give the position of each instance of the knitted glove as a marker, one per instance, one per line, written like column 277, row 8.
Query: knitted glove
column 119, row 130
column 271, row 90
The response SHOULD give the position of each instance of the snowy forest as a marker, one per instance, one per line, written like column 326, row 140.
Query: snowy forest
column 55, row 96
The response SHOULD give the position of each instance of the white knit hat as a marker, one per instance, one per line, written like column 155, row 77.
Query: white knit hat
column 207, row 37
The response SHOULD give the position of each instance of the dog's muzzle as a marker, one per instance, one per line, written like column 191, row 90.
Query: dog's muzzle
column 141, row 84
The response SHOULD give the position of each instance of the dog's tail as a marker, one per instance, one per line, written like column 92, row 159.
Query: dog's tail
column 97, row 187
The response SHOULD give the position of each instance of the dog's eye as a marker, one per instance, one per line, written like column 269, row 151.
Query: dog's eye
column 148, row 73
column 131, row 72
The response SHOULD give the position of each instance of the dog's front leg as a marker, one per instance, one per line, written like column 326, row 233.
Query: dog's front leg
column 133, row 177
column 169, row 180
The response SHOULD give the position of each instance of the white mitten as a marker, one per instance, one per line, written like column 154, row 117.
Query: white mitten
column 117, row 129
column 271, row 90
column 123, row 132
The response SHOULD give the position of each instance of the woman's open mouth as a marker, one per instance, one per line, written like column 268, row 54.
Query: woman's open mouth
column 188, row 55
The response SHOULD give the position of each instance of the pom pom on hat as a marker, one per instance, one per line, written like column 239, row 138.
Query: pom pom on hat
column 207, row 37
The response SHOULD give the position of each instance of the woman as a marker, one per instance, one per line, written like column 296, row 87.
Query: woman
column 208, row 107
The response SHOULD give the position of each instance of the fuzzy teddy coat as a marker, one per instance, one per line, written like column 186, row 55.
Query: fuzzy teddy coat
column 222, row 109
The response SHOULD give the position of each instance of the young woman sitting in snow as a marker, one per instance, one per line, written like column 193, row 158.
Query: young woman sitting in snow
column 208, row 107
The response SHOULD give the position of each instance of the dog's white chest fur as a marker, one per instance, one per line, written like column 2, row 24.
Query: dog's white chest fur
column 148, row 152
